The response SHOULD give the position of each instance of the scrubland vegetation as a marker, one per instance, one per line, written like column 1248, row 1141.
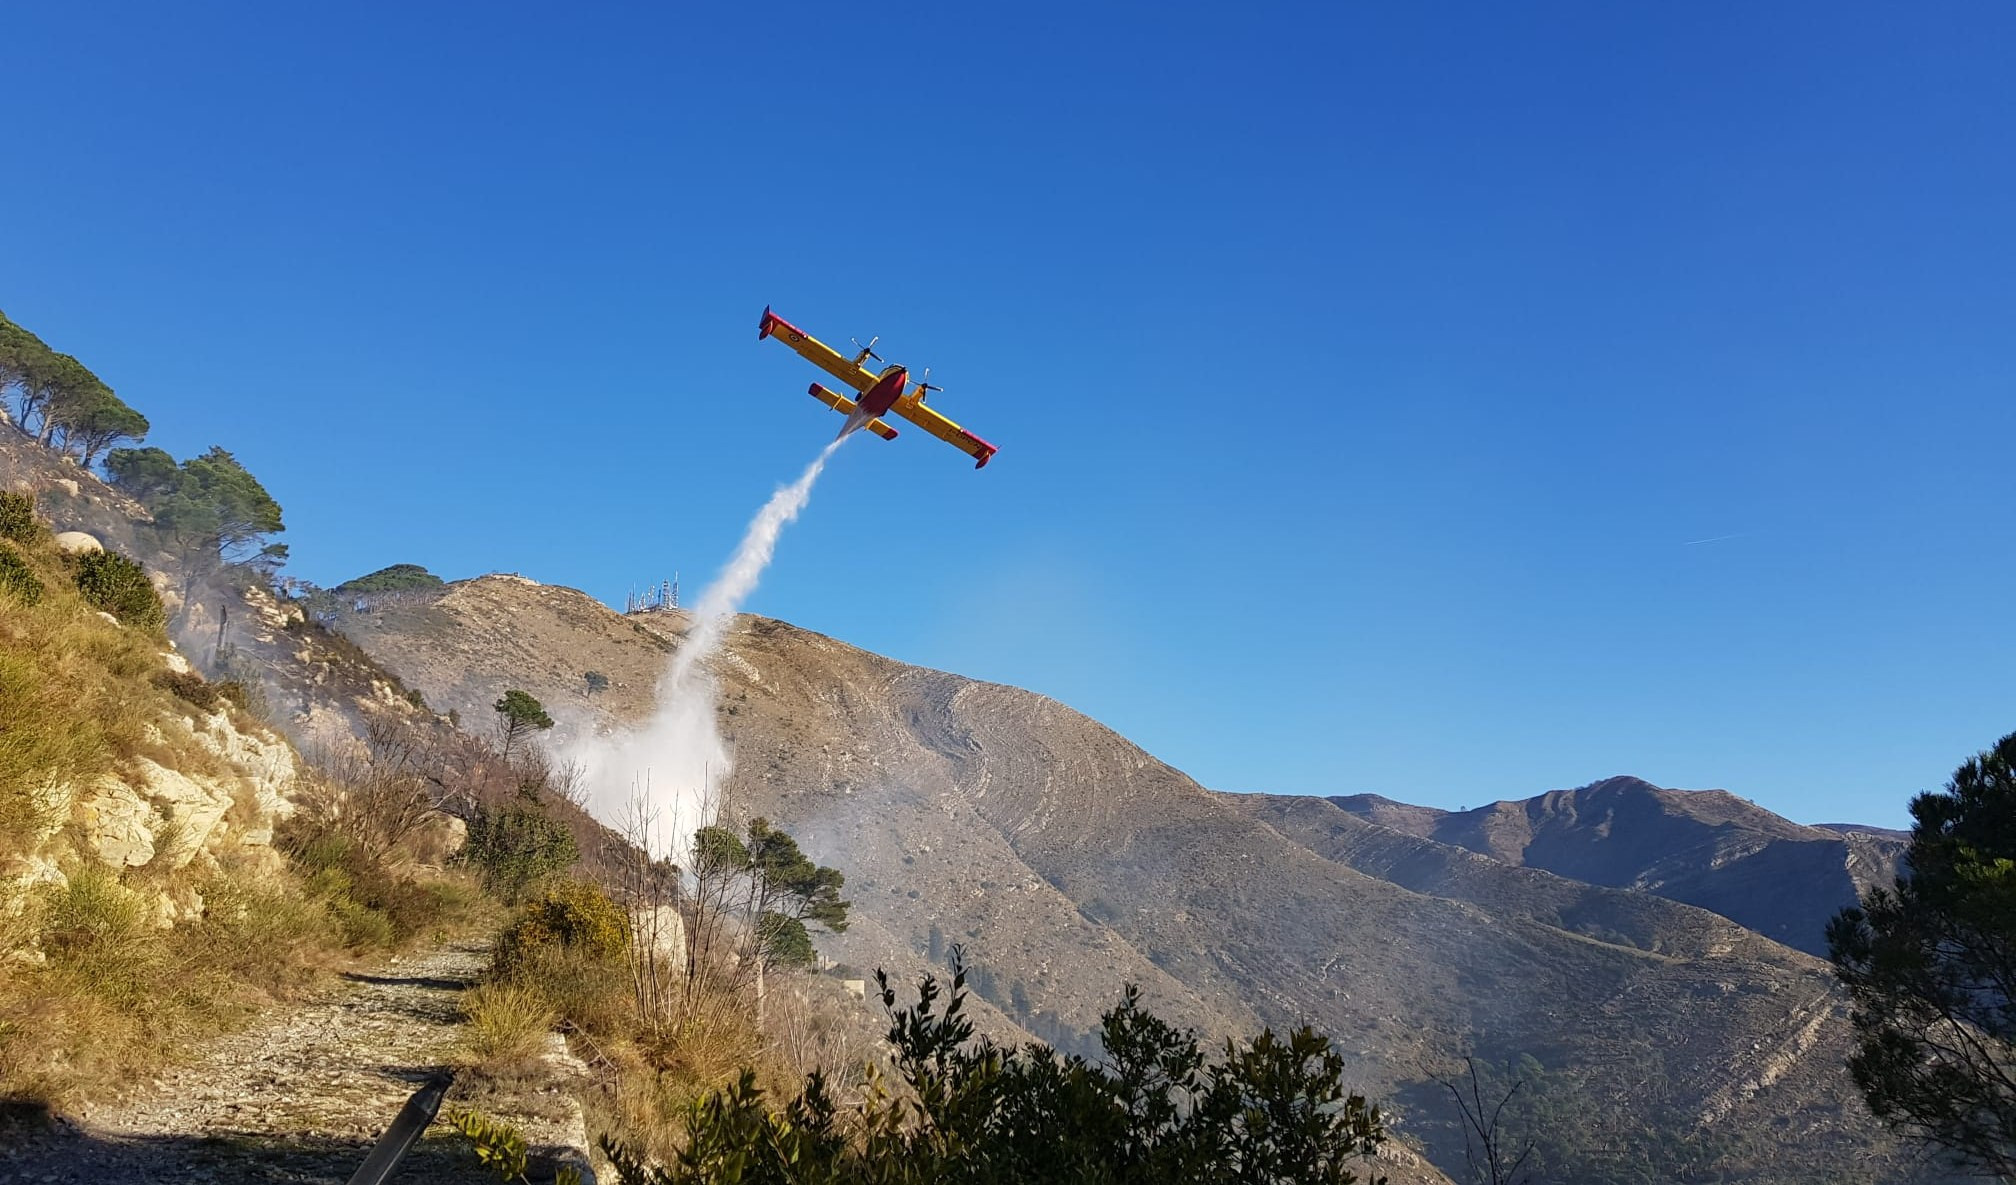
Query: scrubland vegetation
column 672, row 982
column 93, row 982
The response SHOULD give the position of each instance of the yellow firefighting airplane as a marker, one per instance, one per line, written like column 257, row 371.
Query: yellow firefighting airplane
column 880, row 393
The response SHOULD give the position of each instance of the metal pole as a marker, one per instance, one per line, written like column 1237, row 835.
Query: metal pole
column 398, row 1139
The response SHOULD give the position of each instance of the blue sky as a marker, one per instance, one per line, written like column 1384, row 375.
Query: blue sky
column 1363, row 374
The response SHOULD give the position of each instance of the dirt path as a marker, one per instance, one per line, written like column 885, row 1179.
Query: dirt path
column 303, row 1095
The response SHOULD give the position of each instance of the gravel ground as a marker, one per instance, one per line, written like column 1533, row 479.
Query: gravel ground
column 304, row 1095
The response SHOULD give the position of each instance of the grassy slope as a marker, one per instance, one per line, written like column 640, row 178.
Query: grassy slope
column 91, row 986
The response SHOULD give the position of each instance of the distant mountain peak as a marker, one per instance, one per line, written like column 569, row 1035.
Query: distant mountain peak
column 1709, row 848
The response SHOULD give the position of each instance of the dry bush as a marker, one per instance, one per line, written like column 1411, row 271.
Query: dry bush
column 46, row 744
column 637, row 1107
column 650, row 1087
column 77, row 691
column 715, row 1038
column 592, row 995
column 115, row 991
column 376, row 906
column 190, row 687
column 814, row 1024
column 647, row 1090
column 98, row 931
column 379, row 793
column 505, row 1028
column 652, row 896
column 366, row 821
column 263, row 935
column 537, row 775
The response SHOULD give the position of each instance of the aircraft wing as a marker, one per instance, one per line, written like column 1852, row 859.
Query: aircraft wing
column 816, row 352
column 912, row 408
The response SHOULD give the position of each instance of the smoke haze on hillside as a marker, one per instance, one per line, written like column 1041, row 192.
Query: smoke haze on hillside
column 659, row 777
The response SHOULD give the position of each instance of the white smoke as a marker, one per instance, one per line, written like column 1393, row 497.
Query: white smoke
column 661, row 777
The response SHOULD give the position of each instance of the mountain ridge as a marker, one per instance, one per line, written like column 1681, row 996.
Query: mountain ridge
column 1708, row 848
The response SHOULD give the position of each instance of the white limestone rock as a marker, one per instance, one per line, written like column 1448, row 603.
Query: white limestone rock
column 116, row 825
column 77, row 543
column 663, row 930
column 194, row 808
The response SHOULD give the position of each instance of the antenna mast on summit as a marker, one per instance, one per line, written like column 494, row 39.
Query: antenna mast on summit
column 665, row 596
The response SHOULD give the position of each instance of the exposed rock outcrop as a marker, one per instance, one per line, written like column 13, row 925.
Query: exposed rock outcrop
column 212, row 814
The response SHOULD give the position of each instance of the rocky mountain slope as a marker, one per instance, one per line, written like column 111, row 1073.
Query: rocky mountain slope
column 1071, row 862
column 1702, row 847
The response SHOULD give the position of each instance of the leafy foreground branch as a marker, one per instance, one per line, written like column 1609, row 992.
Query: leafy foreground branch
column 500, row 1149
column 1152, row 1110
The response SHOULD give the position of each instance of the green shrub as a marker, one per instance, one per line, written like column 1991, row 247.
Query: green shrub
column 500, row 1149
column 362, row 927
column 514, row 848
column 17, row 579
column 572, row 914
column 396, row 578
column 17, row 517
column 1153, row 1108
column 119, row 586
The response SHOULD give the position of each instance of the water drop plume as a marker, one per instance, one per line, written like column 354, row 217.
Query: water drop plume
column 660, row 778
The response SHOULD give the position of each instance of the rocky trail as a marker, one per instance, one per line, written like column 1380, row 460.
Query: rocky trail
column 303, row 1095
